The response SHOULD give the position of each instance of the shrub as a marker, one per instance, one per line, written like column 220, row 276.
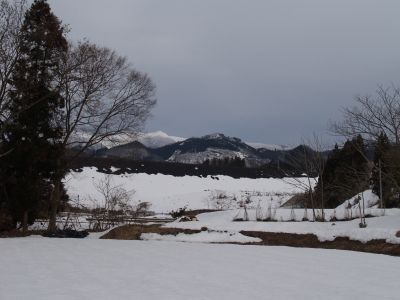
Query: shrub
column 178, row 213
column 219, row 200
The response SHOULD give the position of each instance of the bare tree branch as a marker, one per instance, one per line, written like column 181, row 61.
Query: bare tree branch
column 106, row 99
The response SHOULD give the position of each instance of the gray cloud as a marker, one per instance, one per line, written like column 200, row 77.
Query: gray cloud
column 263, row 71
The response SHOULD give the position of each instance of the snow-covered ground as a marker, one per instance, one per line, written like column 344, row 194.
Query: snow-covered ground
column 167, row 193
column 162, row 267
column 39, row 268
column 377, row 228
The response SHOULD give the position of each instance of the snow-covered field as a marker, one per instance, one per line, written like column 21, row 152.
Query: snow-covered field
column 166, row 192
column 42, row 268
column 39, row 268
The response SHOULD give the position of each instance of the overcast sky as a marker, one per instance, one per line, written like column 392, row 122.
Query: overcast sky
column 263, row 71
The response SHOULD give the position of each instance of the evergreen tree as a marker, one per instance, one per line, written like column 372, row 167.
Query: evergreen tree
column 329, row 178
column 345, row 173
column 226, row 161
column 34, row 134
column 352, row 174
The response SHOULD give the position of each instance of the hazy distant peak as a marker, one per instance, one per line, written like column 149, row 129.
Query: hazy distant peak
column 268, row 146
column 220, row 136
column 158, row 139
column 157, row 133
column 214, row 136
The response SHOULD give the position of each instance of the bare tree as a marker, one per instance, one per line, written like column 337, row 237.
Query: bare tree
column 106, row 99
column 11, row 19
column 308, row 159
column 319, row 147
column 219, row 200
column 370, row 119
column 117, row 202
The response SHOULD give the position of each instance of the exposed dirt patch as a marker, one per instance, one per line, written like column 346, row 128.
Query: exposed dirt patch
column 133, row 232
column 311, row 241
column 18, row 233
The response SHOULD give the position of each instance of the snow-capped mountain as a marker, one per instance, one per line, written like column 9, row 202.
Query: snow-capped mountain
column 158, row 139
column 268, row 146
column 134, row 150
column 217, row 145
column 158, row 146
column 155, row 140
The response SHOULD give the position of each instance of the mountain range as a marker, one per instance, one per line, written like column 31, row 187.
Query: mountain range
column 159, row 146
column 159, row 139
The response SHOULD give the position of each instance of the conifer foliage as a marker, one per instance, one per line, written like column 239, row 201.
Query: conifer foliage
column 33, row 135
column 59, row 91
column 346, row 172
column 386, row 174
column 226, row 161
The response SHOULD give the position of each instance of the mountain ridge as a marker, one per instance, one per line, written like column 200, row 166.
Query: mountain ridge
column 195, row 150
column 160, row 139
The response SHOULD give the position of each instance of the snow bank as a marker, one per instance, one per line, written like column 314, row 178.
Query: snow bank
column 370, row 200
column 202, row 237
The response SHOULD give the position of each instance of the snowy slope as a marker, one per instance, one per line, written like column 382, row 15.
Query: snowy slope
column 268, row 146
column 158, row 139
column 208, row 147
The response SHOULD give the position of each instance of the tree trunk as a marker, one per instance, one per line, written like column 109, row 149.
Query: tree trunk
column 25, row 223
column 322, row 197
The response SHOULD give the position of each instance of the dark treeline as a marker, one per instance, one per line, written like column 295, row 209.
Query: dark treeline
column 176, row 169
column 342, row 173
column 226, row 161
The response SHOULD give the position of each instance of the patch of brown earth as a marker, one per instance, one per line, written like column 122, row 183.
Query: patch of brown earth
column 133, row 232
column 17, row 233
column 311, row 241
